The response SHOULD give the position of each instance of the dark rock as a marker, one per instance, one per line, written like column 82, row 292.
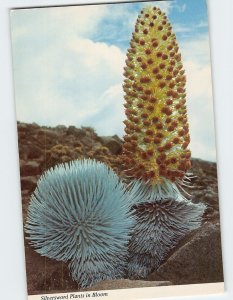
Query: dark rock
column 23, row 127
column 155, row 277
column 48, row 134
column 22, row 162
column 210, row 197
column 22, row 135
column 126, row 284
column 197, row 261
column 35, row 125
column 89, row 131
column 25, row 194
column 30, row 168
column 97, row 146
column 61, row 127
column 207, row 167
column 77, row 132
column 113, row 144
column 78, row 144
column 28, row 183
column 34, row 152
column 46, row 275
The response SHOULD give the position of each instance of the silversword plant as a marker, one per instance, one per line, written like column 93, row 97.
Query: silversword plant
column 80, row 213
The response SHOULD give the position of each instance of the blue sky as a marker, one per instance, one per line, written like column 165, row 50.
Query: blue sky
column 68, row 65
column 189, row 16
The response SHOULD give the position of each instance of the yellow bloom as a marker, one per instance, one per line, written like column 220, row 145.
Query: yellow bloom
column 157, row 130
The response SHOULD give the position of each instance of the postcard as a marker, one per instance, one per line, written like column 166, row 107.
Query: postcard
column 117, row 150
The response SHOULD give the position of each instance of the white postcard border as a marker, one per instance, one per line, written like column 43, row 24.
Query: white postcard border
column 139, row 293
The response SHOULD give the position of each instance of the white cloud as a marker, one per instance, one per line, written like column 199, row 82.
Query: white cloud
column 95, row 56
column 165, row 6
column 202, row 24
column 68, row 82
column 109, row 120
column 180, row 28
column 180, row 7
column 199, row 97
column 57, row 21
column 196, row 49
column 60, row 76
column 199, row 84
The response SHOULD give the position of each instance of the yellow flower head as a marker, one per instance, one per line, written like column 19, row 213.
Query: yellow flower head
column 157, row 130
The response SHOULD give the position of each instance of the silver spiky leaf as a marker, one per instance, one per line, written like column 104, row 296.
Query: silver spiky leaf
column 163, row 218
column 80, row 213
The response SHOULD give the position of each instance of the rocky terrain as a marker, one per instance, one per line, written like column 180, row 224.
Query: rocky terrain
column 196, row 259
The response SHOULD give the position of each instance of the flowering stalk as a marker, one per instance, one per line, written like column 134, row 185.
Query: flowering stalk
column 155, row 151
column 157, row 130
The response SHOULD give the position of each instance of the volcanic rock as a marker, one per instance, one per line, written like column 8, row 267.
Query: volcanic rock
column 199, row 260
column 30, row 168
column 126, row 284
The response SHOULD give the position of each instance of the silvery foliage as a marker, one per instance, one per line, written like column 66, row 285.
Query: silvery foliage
column 163, row 218
column 80, row 213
